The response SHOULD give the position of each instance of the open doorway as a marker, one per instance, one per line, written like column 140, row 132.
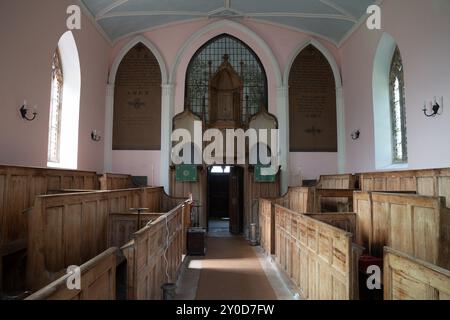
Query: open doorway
column 225, row 199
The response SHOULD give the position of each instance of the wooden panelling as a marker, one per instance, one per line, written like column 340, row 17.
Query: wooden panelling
column 298, row 199
column 337, row 181
column 343, row 221
column 415, row 225
column 98, row 281
column 333, row 200
column 72, row 228
column 154, row 255
column 431, row 182
column 20, row 185
column 121, row 226
column 409, row 278
column 109, row 181
column 317, row 257
column 197, row 189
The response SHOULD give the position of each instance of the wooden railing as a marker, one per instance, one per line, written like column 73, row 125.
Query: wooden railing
column 98, row 281
column 416, row 225
column 317, row 257
column 70, row 229
column 110, row 181
column 154, row 255
column 408, row 278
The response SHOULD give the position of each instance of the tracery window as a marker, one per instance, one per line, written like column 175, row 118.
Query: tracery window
column 205, row 64
column 398, row 112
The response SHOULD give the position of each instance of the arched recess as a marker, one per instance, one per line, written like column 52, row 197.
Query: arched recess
column 70, row 109
column 108, row 161
column 340, row 117
column 381, row 103
column 276, row 90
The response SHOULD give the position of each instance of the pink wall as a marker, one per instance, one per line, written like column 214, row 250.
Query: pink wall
column 283, row 42
column 421, row 30
column 30, row 31
column 138, row 163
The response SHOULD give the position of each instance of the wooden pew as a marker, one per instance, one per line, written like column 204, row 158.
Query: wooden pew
column 70, row 229
column 416, row 225
column 98, row 281
column 18, row 188
column 333, row 200
column 408, row 278
column 430, row 182
column 317, row 257
column 110, row 181
column 338, row 181
column 154, row 255
column 299, row 199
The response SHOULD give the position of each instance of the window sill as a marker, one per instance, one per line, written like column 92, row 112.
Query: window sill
column 398, row 166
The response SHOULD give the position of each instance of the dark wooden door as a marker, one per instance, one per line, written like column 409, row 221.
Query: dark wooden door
column 236, row 200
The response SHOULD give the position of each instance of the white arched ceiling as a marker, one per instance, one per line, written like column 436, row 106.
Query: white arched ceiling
column 333, row 20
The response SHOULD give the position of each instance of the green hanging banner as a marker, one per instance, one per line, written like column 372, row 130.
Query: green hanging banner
column 258, row 177
column 186, row 173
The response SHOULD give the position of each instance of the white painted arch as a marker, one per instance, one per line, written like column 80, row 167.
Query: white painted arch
column 339, row 93
column 109, row 118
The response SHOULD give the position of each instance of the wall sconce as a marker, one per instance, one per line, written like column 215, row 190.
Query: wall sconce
column 356, row 134
column 95, row 136
column 25, row 112
column 436, row 108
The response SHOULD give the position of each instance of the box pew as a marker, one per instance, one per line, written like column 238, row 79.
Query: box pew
column 408, row 278
column 98, row 281
column 154, row 254
column 299, row 199
column 330, row 194
column 70, row 229
column 110, row 181
column 18, row 188
column 430, row 182
column 317, row 257
column 416, row 225
column 338, row 181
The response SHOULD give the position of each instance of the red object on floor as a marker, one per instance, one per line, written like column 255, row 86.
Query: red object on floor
column 367, row 261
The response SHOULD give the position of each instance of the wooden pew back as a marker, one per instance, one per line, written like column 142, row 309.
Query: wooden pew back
column 338, row 181
column 430, row 182
column 416, row 225
column 110, row 181
column 409, row 278
column 316, row 256
column 18, row 188
column 98, row 281
column 154, row 256
column 70, row 229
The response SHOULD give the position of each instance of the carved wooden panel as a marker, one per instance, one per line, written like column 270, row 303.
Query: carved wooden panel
column 312, row 103
column 137, row 102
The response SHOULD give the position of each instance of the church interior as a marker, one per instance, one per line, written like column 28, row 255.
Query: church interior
column 224, row 150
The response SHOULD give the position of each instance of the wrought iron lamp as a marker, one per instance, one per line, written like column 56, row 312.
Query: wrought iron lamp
column 436, row 108
column 356, row 134
column 95, row 136
column 25, row 110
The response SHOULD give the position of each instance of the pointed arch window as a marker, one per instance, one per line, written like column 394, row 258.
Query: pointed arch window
column 54, row 144
column 205, row 63
column 398, row 112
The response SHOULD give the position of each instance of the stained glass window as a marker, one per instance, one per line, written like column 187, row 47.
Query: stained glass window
column 54, row 139
column 398, row 113
column 205, row 64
